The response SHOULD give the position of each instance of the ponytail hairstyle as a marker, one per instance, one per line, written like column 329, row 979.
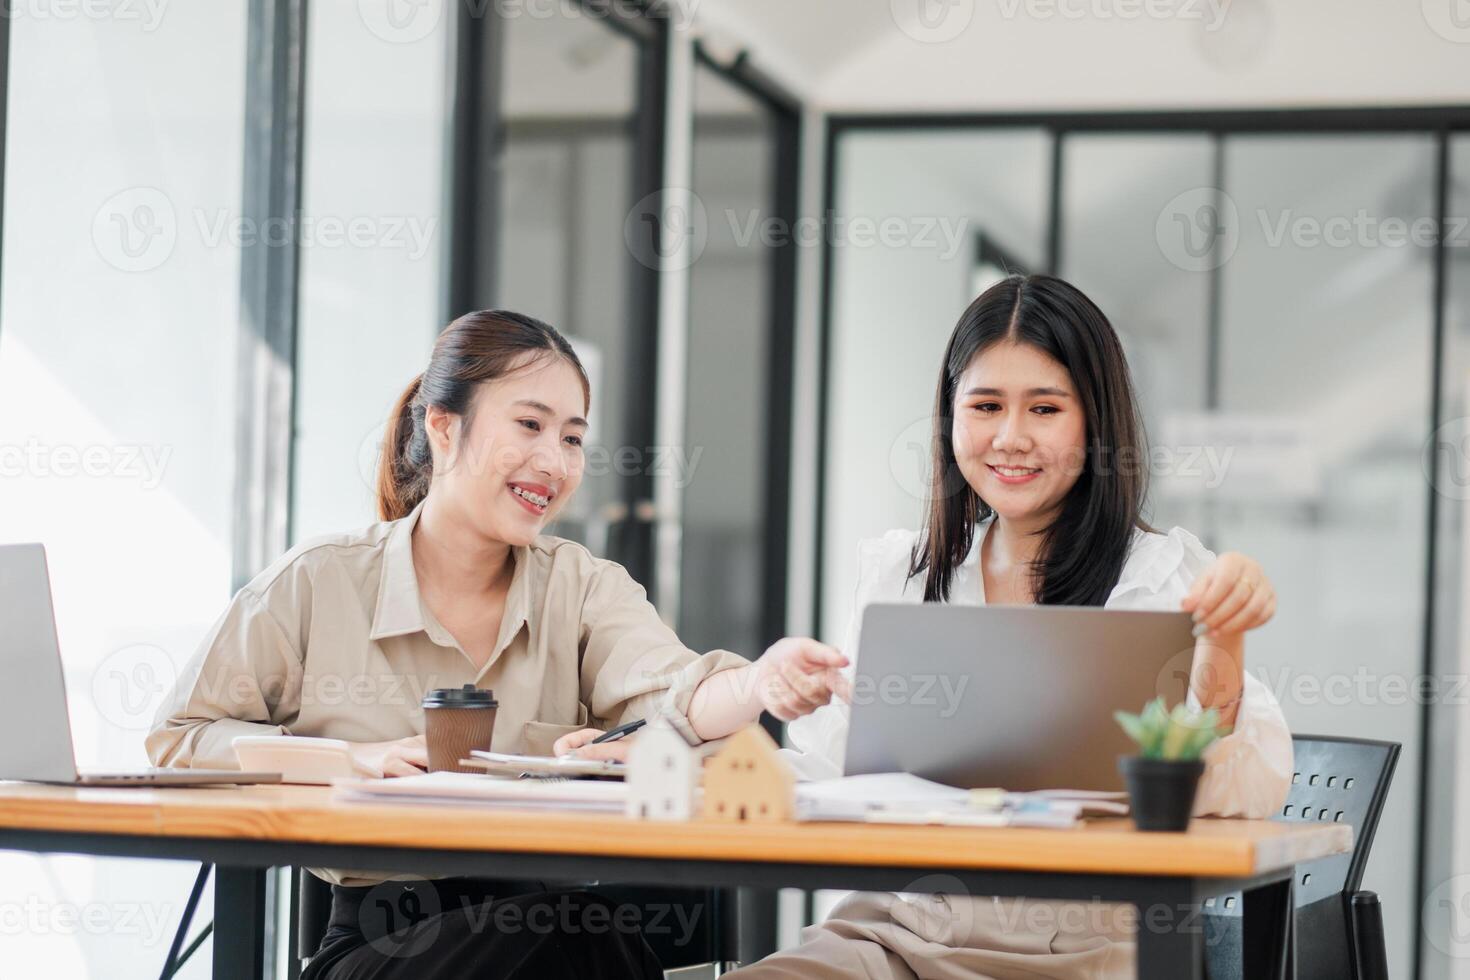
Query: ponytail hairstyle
column 477, row 347
column 1083, row 550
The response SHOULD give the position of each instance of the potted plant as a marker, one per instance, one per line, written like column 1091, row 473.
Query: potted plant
column 1163, row 777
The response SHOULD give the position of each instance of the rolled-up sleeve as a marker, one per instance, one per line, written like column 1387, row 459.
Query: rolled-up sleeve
column 1248, row 772
column 632, row 665
column 245, row 680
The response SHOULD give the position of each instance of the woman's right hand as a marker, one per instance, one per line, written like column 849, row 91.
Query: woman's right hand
column 796, row 676
column 395, row 757
column 579, row 744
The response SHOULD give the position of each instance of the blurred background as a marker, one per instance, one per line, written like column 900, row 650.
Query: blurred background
column 231, row 231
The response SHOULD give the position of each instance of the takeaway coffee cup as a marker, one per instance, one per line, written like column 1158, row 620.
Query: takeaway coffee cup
column 456, row 720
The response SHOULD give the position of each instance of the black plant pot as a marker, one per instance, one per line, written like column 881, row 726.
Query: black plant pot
column 1161, row 791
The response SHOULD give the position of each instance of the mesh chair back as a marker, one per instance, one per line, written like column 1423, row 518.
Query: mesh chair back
column 1334, row 780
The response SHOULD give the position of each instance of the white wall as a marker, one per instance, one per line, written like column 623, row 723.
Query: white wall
column 981, row 55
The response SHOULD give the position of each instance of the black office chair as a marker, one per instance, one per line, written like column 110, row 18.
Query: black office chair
column 1338, row 929
column 707, row 913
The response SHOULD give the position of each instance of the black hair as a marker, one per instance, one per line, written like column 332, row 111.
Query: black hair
column 478, row 347
column 1084, row 548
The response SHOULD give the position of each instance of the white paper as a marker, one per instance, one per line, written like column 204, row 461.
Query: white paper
column 880, row 788
column 473, row 787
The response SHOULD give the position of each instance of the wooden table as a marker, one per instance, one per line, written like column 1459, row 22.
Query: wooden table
column 245, row 830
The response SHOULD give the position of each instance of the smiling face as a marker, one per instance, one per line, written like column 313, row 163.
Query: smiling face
column 511, row 470
column 1019, row 431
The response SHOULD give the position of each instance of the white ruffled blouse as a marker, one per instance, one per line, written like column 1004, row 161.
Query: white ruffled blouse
column 1247, row 773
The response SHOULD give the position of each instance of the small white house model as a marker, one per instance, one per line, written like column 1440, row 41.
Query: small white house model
column 663, row 774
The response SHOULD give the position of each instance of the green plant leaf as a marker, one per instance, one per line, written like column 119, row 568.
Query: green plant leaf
column 1180, row 734
column 1155, row 714
column 1156, row 724
column 1177, row 737
column 1133, row 725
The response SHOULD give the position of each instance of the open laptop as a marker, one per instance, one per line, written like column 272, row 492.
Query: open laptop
column 35, row 727
column 1016, row 697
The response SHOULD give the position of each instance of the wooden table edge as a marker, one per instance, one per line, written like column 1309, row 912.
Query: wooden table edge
column 1212, row 848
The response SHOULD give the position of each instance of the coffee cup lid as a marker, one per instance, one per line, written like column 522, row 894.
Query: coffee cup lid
column 468, row 696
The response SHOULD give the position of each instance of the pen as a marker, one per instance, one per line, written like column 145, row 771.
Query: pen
column 620, row 731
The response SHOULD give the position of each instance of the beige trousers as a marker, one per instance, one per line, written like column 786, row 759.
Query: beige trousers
column 918, row 936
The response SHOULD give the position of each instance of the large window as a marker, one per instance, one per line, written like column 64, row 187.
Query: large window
column 118, row 313
column 372, row 250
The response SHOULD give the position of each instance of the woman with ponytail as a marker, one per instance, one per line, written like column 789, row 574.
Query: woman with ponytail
column 458, row 585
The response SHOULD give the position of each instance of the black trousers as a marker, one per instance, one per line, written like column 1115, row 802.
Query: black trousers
column 470, row 929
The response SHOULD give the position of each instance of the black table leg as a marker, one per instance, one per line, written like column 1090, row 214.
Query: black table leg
column 239, row 923
column 756, row 923
column 1267, row 916
column 1170, row 937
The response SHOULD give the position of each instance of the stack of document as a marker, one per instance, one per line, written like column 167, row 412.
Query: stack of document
column 903, row 798
column 879, row 798
column 600, row 796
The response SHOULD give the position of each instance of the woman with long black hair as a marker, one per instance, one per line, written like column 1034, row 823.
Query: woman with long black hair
column 1039, row 476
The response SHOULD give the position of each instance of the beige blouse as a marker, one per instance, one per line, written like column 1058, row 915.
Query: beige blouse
column 332, row 640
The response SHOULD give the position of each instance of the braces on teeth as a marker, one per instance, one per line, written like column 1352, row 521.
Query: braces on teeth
column 534, row 498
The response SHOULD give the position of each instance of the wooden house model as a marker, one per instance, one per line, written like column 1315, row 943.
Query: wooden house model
column 748, row 780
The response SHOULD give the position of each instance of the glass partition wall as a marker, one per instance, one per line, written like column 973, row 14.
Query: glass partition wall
column 733, row 463
column 566, row 169
column 1324, row 365
column 1277, row 285
column 736, row 386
